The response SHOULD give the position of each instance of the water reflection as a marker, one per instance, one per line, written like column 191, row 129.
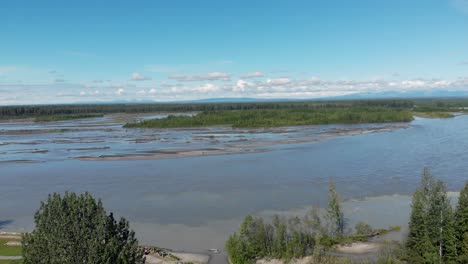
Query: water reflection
column 194, row 203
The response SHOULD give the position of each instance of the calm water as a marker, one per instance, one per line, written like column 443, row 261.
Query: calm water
column 194, row 203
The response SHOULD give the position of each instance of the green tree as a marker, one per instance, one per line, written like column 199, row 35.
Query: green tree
column 418, row 238
column 461, row 223
column 363, row 228
column 76, row 229
column 463, row 249
column 441, row 224
column 431, row 236
column 279, row 238
column 237, row 250
column 312, row 220
column 334, row 213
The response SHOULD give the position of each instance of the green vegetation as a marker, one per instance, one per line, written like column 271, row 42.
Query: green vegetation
column 65, row 117
column 441, row 105
column 334, row 214
column 76, row 228
column 437, row 234
column 11, row 261
column 7, row 112
column 432, row 237
column 9, row 250
column 280, row 117
column 434, row 114
column 248, row 115
column 363, row 229
column 461, row 225
column 296, row 237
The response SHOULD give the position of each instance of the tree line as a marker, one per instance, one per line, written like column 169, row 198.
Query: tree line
column 280, row 117
column 420, row 105
column 23, row 111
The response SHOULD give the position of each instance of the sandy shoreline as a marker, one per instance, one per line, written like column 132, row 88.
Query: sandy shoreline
column 243, row 146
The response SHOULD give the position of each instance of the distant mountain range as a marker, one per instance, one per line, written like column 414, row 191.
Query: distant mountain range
column 411, row 94
column 368, row 95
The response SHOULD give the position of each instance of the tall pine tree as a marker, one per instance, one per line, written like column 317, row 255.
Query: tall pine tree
column 441, row 224
column 432, row 236
column 418, row 243
column 461, row 224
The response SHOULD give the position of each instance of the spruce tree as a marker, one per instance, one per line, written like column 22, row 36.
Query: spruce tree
column 418, row 239
column 432, row 233
column 461, row 223
column 440, row 224
column 463, row 249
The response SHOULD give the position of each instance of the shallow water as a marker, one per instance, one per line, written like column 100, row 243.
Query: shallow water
column 194, row 203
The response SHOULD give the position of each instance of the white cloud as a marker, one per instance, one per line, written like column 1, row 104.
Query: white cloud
column 83, row 93
column 212, row 76
column 120, row 91
column 413, row 84
column 299, row 87
column 256, row 74
column 207, row 88
column 241, row 86
column 138, row 77
column 279, row 81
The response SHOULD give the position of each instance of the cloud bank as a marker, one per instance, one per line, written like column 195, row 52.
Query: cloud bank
column 214, row 84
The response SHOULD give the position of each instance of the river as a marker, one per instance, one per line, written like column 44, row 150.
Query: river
column 194, row 202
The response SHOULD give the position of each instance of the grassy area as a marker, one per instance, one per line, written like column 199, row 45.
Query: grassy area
column 434, row 114
column 11, row 261
column 65, row 117
column 9, row 250
column 281, row 117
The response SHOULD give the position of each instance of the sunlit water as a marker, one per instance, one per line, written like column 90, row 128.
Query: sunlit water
column 195, row 203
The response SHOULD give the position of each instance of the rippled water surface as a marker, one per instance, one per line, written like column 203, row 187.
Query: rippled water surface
column 195, row 202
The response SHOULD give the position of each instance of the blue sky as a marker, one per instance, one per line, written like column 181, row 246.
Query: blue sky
column 81, row 51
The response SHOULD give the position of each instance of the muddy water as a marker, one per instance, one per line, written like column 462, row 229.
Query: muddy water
column 193, row 203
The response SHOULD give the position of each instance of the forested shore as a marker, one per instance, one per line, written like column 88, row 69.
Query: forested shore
column 280, row 117
column 421, row 105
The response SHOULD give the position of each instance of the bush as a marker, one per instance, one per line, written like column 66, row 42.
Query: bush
column 76, row 229
column 363, row 228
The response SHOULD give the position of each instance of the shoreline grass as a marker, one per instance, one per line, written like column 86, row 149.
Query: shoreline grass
column 65, row 117
column 434, row 114
column 9, row 250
